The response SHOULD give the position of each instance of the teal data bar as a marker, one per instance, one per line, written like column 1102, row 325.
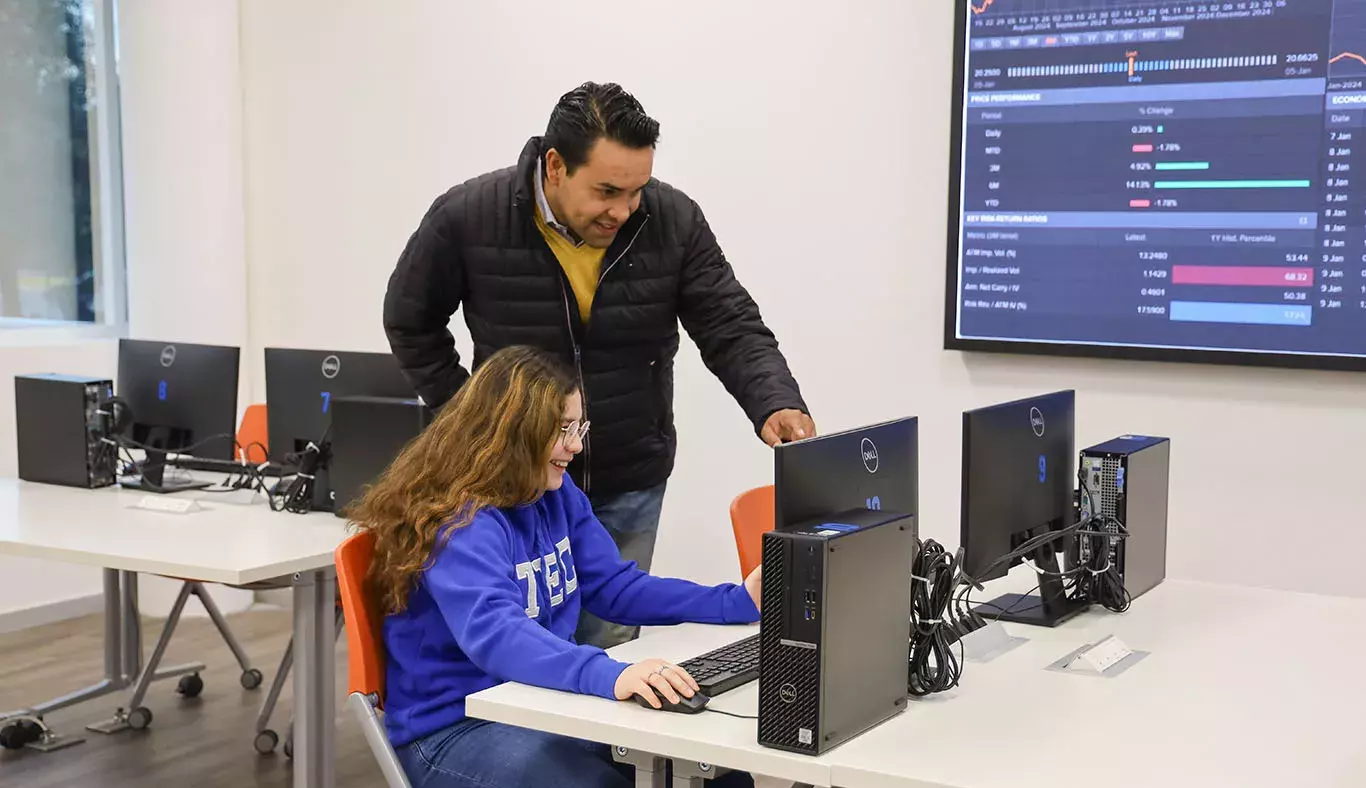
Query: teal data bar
column 1231, row 184
column 1182, row 165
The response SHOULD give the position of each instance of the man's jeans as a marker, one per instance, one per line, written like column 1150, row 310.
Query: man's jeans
column 633, row 521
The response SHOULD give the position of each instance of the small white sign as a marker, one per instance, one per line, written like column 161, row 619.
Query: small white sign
column 803, row 735
column 167, row 504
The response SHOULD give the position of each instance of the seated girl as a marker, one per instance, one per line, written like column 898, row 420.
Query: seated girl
column 485, row 552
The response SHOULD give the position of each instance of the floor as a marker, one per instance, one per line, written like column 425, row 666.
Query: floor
column 205, row 742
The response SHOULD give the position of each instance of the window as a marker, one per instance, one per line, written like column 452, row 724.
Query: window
column 61, row 207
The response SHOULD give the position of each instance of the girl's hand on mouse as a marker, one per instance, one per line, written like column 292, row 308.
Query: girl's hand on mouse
column 650, row 676
column 754, row 584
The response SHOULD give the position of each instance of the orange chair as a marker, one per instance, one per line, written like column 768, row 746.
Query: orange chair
column 253, row 438
column 365, row 646
column 751, row 515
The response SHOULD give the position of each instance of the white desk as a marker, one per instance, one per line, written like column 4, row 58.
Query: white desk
column 1244, row 687
column 1219, row 701
column 705, row 738
column 223, row 543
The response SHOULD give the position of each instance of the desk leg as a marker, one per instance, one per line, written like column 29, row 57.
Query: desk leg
column 114, row 677
column 650, row 768
column 693, row 774
column 130, row 658
column 127, row 653
column 315, row 716
column 132, row 629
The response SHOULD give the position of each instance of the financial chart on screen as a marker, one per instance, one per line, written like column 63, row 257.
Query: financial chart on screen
column 1178, row 180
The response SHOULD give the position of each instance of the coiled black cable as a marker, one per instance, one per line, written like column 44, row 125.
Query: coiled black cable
column 934, row 665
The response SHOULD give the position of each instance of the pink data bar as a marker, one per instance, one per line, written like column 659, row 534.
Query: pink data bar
column 1263, row 276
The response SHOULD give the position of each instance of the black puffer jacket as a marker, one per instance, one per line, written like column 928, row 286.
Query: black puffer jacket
column 478, row 248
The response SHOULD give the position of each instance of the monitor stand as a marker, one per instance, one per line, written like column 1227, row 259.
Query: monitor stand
column 152, row 477
column 1049, row 608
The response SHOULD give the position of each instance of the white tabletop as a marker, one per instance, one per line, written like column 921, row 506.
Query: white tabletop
column 709, row 738
column 226, row 543
column 1243, row 687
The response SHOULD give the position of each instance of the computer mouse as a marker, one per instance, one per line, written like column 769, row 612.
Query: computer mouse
column 692, row 705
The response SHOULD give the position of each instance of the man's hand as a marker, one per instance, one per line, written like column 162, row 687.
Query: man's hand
column 787, row 426
column 647, row 677
column 754, row 584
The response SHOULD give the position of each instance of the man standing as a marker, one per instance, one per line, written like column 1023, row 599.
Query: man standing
column 579, row 250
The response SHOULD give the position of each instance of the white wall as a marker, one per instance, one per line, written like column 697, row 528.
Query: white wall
column 815, row 135
column 31, row 583
column 183, row 191
column 182, row 158
column 180, row 80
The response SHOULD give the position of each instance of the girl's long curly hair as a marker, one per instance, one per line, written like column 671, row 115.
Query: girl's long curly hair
column 488, row 447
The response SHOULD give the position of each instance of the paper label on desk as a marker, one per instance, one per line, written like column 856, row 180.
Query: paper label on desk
column 167, row 505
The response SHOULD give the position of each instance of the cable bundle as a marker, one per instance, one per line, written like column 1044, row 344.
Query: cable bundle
column 1099, row 580
column 125, row 444
column 933, row 664
column 296, row 496
column 963, row 619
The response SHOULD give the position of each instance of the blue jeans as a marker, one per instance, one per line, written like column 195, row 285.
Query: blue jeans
column 480, row 754
column 633, row 521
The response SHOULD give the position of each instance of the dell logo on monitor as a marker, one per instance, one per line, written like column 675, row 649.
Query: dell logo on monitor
column 869, row 452
column 168, row 355
column 331, row 367
column 1036, row 421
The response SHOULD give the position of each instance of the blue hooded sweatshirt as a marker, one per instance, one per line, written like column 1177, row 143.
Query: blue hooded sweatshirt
column 500, row 602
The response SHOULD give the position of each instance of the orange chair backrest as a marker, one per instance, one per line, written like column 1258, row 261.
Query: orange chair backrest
column 751, row 515
column 253, row 431
column 364, row 637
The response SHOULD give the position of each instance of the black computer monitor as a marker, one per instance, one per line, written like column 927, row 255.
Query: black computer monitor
column 1018, row 470
column 183, row 399
column 874, row 467
column 300, row 387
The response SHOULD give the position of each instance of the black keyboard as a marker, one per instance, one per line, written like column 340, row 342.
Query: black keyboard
column 725, row 668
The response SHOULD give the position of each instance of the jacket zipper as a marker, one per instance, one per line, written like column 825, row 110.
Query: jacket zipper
column 578, row 351
column 644, row 221
column 583, row 393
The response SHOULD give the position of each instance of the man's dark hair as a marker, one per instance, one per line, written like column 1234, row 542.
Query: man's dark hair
column 592, row 111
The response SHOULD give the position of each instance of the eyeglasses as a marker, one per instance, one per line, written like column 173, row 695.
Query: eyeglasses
column 575, row 428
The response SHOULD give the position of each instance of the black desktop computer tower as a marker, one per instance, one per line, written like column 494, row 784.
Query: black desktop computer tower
column 834, row 629
column 1128, row 478
column 367, row 434
column 61, row 432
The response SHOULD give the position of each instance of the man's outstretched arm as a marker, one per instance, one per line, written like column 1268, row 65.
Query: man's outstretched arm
column 424, row 290
column 736, row 346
